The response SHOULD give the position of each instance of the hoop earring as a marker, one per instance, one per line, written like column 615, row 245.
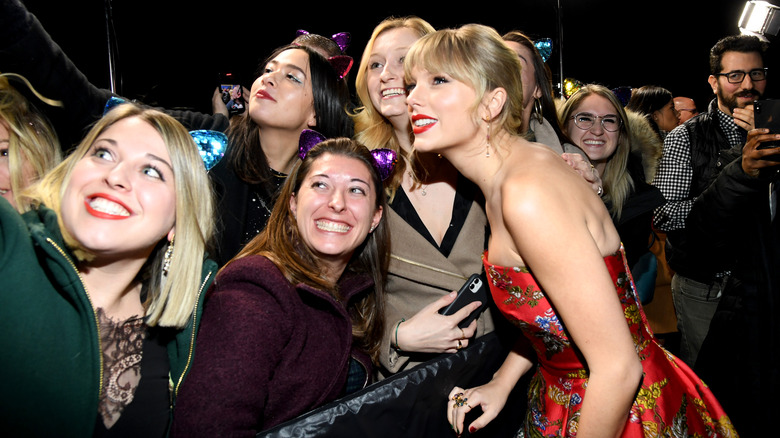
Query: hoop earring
column 166, row 266
column 537, row 111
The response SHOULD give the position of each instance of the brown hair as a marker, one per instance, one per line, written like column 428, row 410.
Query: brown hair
column 281, row 243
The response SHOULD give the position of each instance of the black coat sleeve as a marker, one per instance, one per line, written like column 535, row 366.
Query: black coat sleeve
column 27, row 49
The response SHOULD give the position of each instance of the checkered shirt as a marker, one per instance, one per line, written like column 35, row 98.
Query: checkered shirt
column 675, row 173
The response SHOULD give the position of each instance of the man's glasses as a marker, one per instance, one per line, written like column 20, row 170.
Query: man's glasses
column 737, row 76
column 585, row 121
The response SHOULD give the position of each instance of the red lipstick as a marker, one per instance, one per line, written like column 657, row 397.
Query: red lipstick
column 419, row 129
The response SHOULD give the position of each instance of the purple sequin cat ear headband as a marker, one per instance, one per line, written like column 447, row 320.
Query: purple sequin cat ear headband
column 342, row 39
column 341, row 63
column 384, row 159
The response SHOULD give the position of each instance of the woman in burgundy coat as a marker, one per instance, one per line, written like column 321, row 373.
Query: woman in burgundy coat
column 293, row 321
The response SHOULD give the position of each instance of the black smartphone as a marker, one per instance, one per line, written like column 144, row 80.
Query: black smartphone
column 767, row 115
column 474, row 289
column 232, row 93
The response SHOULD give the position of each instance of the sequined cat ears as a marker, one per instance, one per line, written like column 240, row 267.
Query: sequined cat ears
column 341, row 63
column 384, row 159
column 342, row 39
column 211, row 144
column 544, row 46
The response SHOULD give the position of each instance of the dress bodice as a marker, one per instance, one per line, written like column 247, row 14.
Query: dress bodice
column 671, row 399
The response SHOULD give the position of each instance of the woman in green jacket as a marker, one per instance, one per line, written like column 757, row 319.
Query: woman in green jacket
column 99, row 305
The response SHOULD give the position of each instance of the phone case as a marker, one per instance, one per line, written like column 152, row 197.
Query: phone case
column 767, row 115
column 474, row 289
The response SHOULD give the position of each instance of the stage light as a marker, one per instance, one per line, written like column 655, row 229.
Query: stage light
column 760, row 18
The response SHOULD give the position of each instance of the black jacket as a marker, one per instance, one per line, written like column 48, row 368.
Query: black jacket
column 730, row 225
column 710, row 152
column 27, row 49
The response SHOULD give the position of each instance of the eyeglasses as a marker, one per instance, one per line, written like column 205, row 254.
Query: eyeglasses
column 737, row 76
column 585, row 121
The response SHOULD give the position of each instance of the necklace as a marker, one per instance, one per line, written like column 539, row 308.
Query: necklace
column 423, row 187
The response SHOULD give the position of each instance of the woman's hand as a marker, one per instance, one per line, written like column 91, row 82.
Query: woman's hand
column 217, row 105
column 586, row 170
column 490, row 397
column 429, row 332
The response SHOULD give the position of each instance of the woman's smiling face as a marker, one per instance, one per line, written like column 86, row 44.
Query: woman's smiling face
column 335, row 208
column 385, row 75
column 598, row 143
column 120, row 200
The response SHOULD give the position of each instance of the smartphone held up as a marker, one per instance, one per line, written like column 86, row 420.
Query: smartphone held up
column 232, row 93
column 767, row 116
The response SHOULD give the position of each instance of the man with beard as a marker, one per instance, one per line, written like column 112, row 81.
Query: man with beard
column 733, row 227
column 694, row 154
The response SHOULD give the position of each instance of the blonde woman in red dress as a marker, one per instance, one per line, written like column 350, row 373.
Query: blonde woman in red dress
column 555, row 263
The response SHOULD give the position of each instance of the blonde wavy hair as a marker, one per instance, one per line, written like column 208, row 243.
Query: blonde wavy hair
column 371, row 128
column 31, row 139
column 170, row 299
column 476, row 55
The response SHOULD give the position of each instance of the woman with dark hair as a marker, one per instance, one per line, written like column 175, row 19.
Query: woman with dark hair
column 297, row 89
column 262, row 143
column 295, row 319
column 656, row 104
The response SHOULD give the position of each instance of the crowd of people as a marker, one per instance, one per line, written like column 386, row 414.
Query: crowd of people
column 143, row 294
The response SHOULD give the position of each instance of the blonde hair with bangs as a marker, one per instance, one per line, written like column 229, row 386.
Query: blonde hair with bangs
column 476, row 55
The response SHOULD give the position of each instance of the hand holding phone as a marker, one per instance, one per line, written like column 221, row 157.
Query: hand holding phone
column 474, row 289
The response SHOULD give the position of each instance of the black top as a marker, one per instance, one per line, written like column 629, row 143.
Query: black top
column 149, row 412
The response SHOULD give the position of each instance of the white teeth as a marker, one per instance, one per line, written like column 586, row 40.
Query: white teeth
column 331, row 226
column 103, row 205
column 3, row 191
column 424, row 122
column 593, row 142
column 393, row 92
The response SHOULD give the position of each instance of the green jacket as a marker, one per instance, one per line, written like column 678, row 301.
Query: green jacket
column 50, row 355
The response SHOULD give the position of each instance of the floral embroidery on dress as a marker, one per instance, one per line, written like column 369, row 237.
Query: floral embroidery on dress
column 672, row 401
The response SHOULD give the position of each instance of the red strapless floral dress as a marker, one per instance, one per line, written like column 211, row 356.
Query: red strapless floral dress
column 672, row 401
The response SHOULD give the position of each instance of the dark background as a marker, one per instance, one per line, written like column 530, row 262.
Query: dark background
column 168, row 52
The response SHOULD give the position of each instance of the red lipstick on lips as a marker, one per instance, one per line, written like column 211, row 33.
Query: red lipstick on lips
column 104, row 215
column 420, row 129
column 263, row 95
